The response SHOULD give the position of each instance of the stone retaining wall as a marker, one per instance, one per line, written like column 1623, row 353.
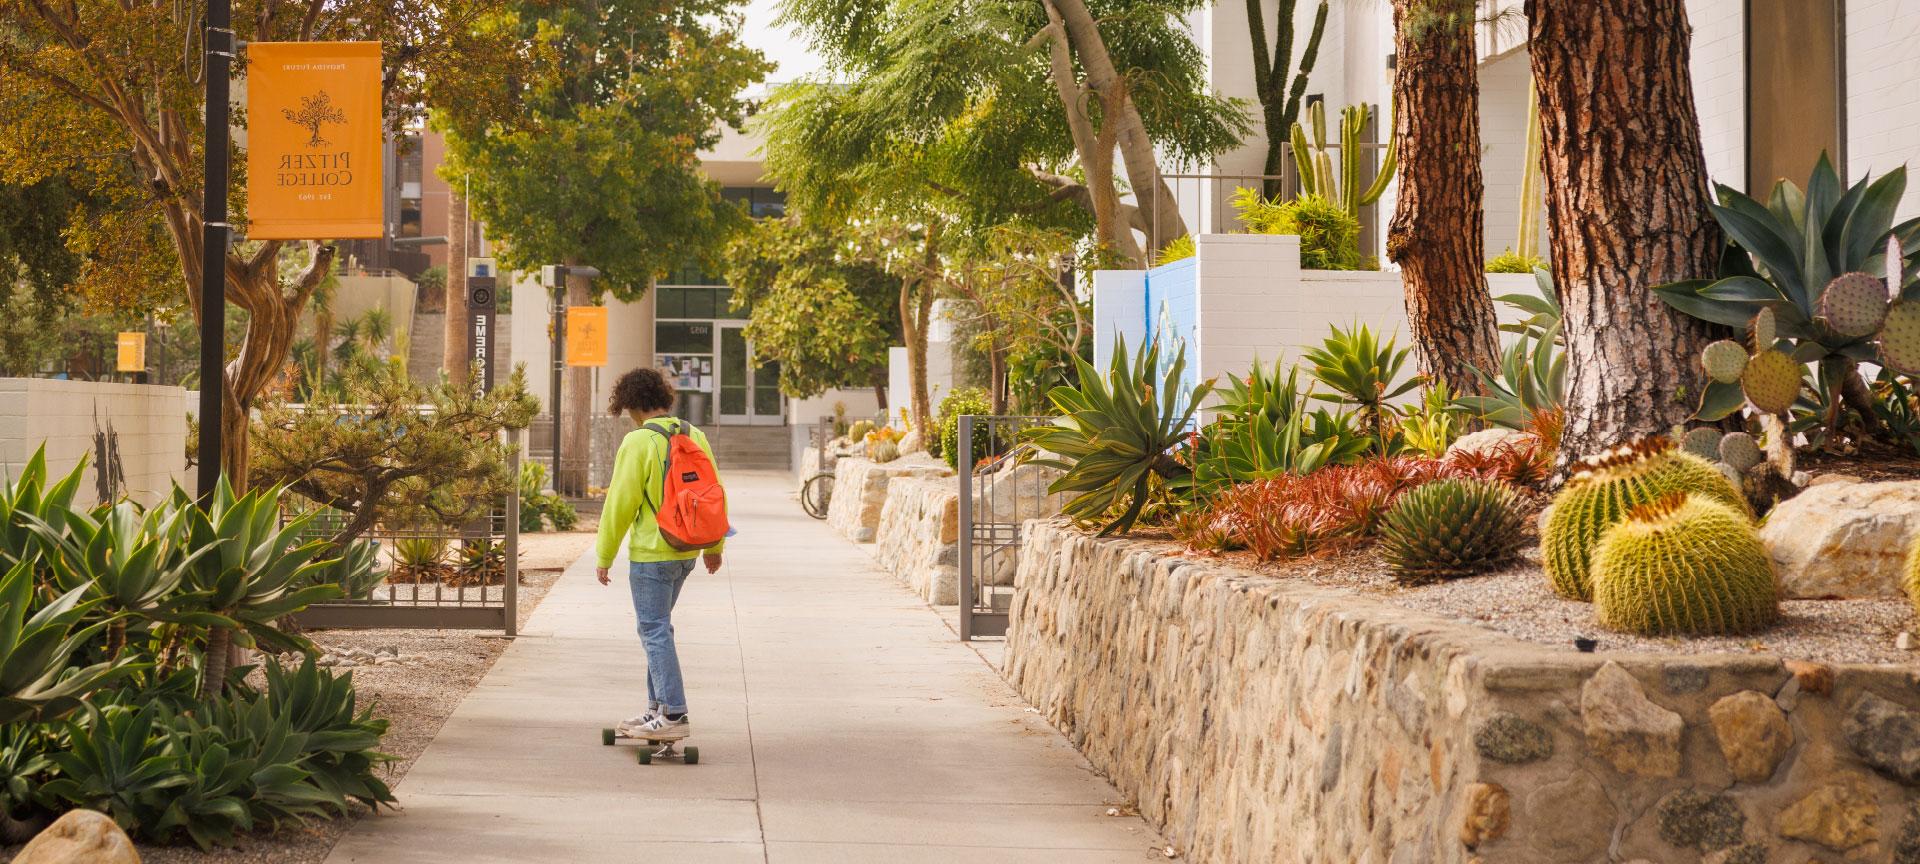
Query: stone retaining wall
column 918, row 536
column 860, row 491
column 1254, row 719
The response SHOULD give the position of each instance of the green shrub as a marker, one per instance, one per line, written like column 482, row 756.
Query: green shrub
column 1329, row 235
column 966, row 400
column 1514, row 262
column 1604, row 488
column 1179, row 249
column 1451, row 528
column 1685, row 564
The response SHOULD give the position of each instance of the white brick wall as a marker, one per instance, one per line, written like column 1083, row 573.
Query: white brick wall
column 1719, row 86
column 148, row 425
column 1883, row 91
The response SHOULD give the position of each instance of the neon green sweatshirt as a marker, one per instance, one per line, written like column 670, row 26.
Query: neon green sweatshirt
column 636, row 467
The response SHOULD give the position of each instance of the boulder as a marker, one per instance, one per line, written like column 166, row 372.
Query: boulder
column 1843, row 539
column 1513, row 739
column 860, row 491
column 1753, row 734
column 1491, row 438
column 1626, row 728
column 1690, row 819
column 80, row 837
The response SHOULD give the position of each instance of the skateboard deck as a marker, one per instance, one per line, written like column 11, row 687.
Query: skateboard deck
column 652, row 749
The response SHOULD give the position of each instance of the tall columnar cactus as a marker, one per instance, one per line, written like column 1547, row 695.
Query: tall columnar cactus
column 1450, row 528
column 1912, row 577
column 1316, row 167
column 1604, row 488
column 1684, row 564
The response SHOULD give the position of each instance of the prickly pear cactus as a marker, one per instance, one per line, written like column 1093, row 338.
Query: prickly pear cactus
column 1740, row 452
column 1854, row 304
column 1725, row 360
column 1604, row 488
column 1684, row 565
column 1450, row 528
column 1900, row 337
column 1772, row 381
column 1703, row 442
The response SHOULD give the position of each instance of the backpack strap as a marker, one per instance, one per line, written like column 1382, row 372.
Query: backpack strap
column 679, row 427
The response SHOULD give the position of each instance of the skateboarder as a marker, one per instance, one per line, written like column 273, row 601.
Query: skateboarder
column 639, row 500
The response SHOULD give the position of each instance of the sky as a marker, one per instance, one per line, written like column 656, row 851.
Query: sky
column 780, row 46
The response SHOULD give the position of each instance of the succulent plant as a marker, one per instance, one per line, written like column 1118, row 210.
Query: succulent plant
column 1703, row 442
column 1737, row 450
column 858, row 431
column 1854, row 305
column 1900, row 337
column 1724, row 360
column 883, row 451
column 1684, row 564
column 1604, row 488
column 1450, row 528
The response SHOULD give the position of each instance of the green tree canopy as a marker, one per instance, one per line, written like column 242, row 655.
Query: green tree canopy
column 599, row 163
column 825, row 315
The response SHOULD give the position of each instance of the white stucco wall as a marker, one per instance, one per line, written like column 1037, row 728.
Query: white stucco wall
column 1503, row 148
column 1883, row 91
column 145, row 425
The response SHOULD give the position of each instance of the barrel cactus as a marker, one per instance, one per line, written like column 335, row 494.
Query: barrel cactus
column 858, row 431
column 1684, row 564
column 1450, row 528
column 1604, row 488
column 884, row 450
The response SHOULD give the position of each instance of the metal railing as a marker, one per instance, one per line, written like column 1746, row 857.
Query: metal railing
column 993, row 513
column 1211, row 194
column 419, row 583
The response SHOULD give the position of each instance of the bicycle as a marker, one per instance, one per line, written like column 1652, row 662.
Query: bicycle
column 816, row 493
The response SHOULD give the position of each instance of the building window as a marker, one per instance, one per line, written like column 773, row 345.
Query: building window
column 694, row 301
column 683, row 337
column 760, row 202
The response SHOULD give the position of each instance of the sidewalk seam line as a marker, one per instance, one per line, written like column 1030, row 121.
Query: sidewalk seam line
column 746, row 705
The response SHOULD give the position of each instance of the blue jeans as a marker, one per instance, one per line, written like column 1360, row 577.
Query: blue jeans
column 656, row 587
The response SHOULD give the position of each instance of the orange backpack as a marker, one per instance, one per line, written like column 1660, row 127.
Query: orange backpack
column 693, row 509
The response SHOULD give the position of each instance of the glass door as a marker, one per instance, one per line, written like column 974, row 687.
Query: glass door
column 748, row 396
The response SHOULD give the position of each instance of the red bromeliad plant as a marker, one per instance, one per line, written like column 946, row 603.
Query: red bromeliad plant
column 1291, row 516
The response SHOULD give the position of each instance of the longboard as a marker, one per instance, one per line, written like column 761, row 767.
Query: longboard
column 654, row 749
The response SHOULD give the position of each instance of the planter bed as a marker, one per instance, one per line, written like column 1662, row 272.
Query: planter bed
column 1318, row 713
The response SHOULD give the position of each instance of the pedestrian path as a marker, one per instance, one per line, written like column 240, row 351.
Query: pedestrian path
column 838, row 720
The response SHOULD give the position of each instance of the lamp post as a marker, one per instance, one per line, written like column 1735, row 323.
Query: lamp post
column 215, row 234
column 557, row 280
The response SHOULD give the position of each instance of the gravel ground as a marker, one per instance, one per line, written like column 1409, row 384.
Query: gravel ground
column 417, row 699
column 1518, row 602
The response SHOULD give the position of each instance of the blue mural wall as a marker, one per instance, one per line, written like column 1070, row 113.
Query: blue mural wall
column 1171, row 313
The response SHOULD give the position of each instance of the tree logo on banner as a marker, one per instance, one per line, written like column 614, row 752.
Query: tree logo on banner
column 315, row 111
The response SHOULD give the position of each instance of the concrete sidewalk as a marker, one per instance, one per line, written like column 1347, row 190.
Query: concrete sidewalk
column 838, row 720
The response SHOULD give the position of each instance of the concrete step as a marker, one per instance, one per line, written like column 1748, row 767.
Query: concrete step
column 751, row 447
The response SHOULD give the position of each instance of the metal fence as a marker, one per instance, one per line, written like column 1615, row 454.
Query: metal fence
column 1208, row 196
column 993, row 511
column 464, row 578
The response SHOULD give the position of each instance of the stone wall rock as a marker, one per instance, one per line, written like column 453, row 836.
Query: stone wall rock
column 860, row 491
column 1844, row 539
column 916, row 539
column 1257, row 719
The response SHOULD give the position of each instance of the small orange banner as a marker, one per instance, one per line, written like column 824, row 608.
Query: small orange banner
column 132, row 353
column 586, row 336
column 313, row 141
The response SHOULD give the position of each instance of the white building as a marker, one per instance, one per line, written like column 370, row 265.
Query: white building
column 1775, row 83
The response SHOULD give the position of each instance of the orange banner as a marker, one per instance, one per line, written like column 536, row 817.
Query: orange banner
column 587, row 336
column 313, row 141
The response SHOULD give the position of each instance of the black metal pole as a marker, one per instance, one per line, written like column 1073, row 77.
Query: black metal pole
column 214, row 236
column 559, row 362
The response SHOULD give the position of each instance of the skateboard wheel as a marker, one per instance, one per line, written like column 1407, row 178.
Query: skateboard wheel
column 693, row 755
column 606, row 737
column 646, row 756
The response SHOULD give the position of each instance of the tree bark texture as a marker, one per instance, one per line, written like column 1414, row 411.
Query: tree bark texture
column 455, row 353
column 1436, row 233
column 1626, row 191
column 576, row 437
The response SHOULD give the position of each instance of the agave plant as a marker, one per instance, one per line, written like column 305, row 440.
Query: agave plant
column 261, row 572
column 1118, row 433
column 1788, row 255
column 132, row 562
column 26, row 501
column 1264, row 429
column 1533, row 370
column 118, row 762
column 1362, row 372
column 339, row 736
column 35, row 679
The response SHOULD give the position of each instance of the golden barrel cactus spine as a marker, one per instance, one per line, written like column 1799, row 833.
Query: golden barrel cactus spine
column 1604, row 488
column 1684, row 565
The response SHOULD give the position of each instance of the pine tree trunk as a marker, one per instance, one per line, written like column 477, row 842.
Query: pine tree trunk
column 1626, row 190
column 454, row 357
column 1436, row 233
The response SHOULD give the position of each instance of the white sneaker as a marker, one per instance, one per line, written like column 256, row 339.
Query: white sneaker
column 659, row 728
column 630, row 727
